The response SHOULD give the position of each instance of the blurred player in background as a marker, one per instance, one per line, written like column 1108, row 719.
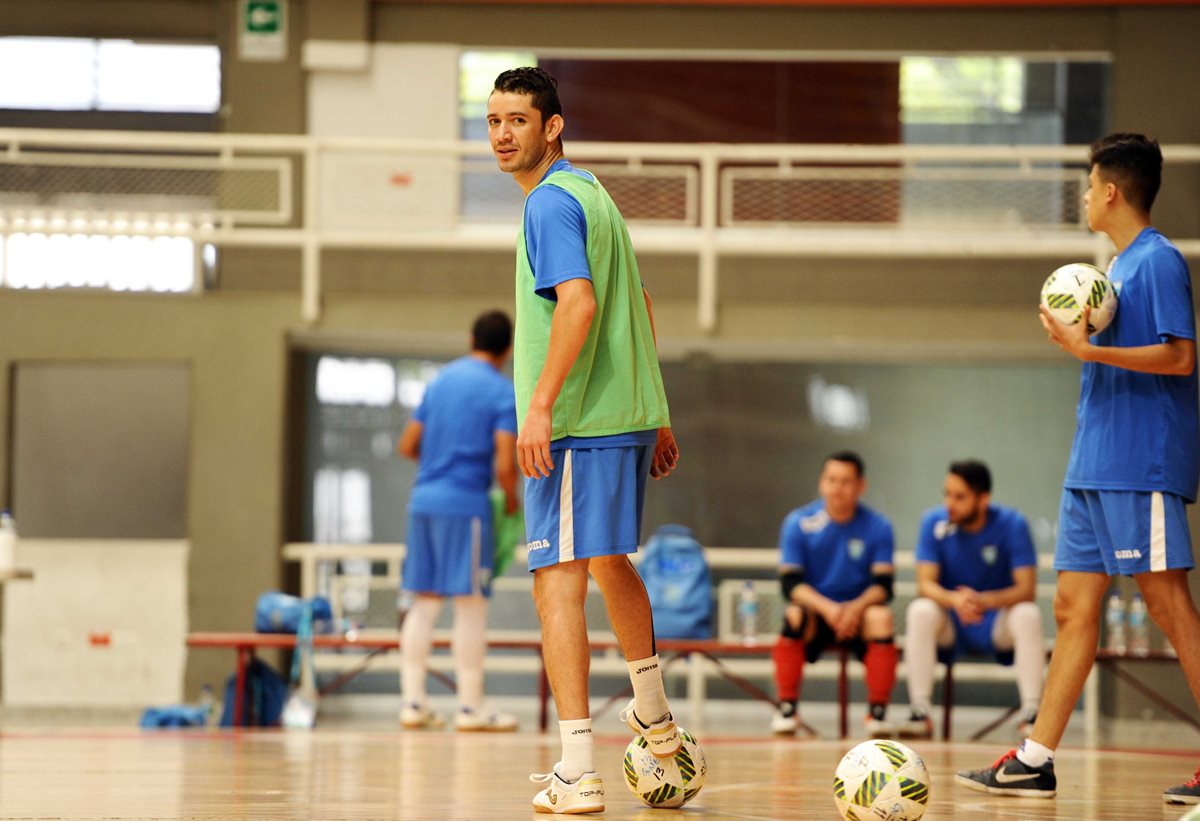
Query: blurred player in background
column 463, row 433
column 593, row 424
column 1134, row 463
column 836, row 571
column 976, row 587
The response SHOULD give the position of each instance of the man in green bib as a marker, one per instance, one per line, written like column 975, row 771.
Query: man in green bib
column 592, row 424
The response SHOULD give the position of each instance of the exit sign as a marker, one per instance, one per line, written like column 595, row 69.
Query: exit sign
column 262, row 30
column 264, row 17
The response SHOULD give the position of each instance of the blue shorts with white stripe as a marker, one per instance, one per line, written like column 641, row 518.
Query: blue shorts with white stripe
column 1122, row 532
column 590, row 504
column 448, row 555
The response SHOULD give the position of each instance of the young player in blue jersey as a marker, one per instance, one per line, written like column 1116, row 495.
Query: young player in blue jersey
column 836, row 572
column 1134, row 462
column 593, row 424
column 463, row 433
column 976, row 585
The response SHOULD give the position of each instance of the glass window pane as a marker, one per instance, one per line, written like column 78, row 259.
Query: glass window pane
column 139, row 77
column 120, row 263
column 47, row 73
column 960, row 89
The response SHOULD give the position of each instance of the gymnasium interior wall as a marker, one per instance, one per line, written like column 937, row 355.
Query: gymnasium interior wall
column 236, row 339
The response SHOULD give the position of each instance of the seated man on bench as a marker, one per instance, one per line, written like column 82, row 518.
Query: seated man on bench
column 976, row 585
column 836, row 571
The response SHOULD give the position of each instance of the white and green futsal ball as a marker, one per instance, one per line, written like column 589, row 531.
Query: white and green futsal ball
column 665, row 782
column 1073, row 286
column 881, row 780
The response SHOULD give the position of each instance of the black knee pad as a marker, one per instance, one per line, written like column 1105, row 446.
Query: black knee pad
column 797, row 633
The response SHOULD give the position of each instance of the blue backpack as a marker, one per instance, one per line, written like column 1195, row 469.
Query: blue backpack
column 264, row 694
column 678, row 582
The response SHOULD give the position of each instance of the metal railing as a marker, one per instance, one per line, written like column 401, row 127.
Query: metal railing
column 706, row 200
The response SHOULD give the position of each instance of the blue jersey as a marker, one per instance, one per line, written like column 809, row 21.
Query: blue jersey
column 1141, row 431
column 556, row 234
column 982, row 561
column 464, row 407
column 556, row 244
column 836, row 558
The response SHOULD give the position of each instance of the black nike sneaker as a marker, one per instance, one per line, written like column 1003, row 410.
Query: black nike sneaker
column 1186, row 793
column 1009, row 775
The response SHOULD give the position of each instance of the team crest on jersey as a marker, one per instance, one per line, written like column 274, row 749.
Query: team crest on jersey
column 814, row 523
column 856, row 548
column 989, row 553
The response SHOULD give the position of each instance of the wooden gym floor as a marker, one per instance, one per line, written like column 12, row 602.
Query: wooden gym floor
column 335, row 773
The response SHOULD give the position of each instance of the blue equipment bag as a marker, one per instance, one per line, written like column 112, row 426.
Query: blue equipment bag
column 679, row 584
column 263, row 697
column 276, row 612
column 177, row 715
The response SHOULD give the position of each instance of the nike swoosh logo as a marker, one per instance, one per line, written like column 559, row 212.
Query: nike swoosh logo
column 1007, row 778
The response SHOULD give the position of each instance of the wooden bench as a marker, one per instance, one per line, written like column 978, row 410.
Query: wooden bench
column 310, row 556
column 695, row 650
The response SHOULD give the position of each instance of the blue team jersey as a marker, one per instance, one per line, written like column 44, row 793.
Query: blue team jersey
column 1141, row 431
column 463, row 408
column 836, row 558
column 983, row 560
column 556, row 234
column 556, row 244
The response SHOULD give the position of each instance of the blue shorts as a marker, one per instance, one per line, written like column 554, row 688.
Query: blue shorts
column 975, row 639
column 448, row 555
column 590, row 504
column 1122, row 532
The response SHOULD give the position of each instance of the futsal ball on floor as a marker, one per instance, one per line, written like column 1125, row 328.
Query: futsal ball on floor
column 665, row 782
column 1073, row 286
column 881, row 779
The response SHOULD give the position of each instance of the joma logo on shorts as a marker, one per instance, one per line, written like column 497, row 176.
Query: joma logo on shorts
column 1128, row 554
column 538, row 544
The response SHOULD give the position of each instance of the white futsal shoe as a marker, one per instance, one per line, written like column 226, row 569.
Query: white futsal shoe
column 662, row 736
column 784, row 722
column 415, row 716
column 584, row 794
column 483, row 720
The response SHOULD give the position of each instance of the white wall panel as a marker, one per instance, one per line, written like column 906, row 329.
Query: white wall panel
column 103, row 623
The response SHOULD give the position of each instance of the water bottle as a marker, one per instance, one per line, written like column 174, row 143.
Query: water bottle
column 1114, row 616
column 208, row 703
column 1139, row 627
column 8, row 542
column 748, row 614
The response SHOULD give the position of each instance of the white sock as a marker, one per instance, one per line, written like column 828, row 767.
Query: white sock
column 469, row 646
column 577, row 749
column 415, row 638
column 1033, row 754
column 649, row 697
column 923, row 622
column 1023, row 625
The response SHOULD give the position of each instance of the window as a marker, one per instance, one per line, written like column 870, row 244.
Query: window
column 36, row 260
column 960, row 89
column 69, row 74
column 1004, row 99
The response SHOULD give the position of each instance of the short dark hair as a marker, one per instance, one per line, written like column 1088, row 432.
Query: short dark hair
column 850, row 458
column 1133, row 163
column 492, row 333
column 535, row 82
column 974, row 473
